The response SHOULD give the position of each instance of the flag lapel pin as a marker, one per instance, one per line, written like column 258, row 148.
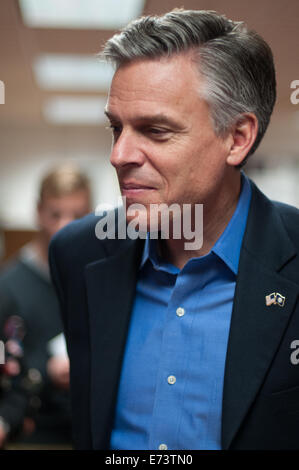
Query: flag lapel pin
column 275, row 299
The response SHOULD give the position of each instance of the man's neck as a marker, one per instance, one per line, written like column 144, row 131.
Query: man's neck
column 217, row 213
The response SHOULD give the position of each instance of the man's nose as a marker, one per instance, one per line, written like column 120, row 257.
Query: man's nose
column 126, row 150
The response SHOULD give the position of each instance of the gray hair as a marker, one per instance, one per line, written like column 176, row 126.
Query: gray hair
column 237, row 64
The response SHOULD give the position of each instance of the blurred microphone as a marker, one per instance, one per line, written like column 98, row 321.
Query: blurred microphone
column 14, row 333
column 15, row 371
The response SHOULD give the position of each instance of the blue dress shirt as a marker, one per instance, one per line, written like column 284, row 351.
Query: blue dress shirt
column 170, row 392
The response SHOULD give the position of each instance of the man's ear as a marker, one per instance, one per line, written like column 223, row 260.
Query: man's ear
column 243, row 135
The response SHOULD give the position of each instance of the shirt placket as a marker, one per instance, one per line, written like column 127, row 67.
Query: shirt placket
column 171, row 375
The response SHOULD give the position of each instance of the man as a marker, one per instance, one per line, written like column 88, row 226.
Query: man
column 26, row 294
column 173, row 348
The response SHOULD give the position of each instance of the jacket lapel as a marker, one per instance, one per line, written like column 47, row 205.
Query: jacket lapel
column 256, row 329
column 110, row 290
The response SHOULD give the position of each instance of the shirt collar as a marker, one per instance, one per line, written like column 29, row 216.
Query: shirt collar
column 228, row 245
column 149, row 252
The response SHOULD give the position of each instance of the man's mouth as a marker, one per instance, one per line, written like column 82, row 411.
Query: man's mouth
column 132, row 187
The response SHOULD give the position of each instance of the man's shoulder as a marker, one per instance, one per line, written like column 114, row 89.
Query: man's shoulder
column 272, row 230
column 290, row 213
column 274, row 212
column 76, row 231
column 79, row 241
column 290, row 219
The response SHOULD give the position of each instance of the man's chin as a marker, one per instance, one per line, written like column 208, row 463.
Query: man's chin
column 140, row 219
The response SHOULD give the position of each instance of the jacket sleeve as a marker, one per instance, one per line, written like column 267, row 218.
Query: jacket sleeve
column 57, row 281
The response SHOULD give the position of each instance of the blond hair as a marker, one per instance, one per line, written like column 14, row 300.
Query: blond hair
column 62, row 181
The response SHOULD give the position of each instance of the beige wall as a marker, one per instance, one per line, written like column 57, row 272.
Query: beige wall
column 28, row 153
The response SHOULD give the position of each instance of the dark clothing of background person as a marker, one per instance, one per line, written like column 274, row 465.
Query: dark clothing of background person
column 28, row 286
column 13, row 400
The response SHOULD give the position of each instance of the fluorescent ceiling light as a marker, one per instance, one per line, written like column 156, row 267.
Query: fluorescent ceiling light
column 72, row 72
column 75, row 110
column 82, row 14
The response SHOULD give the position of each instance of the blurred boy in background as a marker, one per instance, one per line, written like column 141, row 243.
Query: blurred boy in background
column 26, row 294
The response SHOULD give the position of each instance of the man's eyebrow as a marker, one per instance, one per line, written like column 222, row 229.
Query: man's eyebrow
column 150, row 119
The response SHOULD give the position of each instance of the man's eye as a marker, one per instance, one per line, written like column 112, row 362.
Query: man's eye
column 115, row 129
column 158, row 132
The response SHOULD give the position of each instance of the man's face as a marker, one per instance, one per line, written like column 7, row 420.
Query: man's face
column 56, row 212
column 164, row 148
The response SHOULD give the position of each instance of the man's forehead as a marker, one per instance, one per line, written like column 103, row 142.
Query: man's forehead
column 154, row 84
column 161, row 74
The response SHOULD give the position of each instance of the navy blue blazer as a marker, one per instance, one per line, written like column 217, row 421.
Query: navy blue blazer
column 95, row 281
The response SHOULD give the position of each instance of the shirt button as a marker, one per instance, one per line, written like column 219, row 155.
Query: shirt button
column 180, row 312
column 171, row 379
column 163, row 447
